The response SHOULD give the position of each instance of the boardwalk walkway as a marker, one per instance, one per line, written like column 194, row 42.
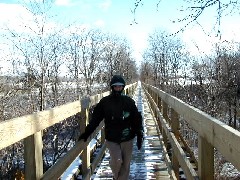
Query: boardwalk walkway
column 148, row 163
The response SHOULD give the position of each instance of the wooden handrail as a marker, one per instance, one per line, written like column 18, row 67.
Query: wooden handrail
column 63, row 163
column 29, row 128
column 21, row 127
column 188, row 169
column 212, row 133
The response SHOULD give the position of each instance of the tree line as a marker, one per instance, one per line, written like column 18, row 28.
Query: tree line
column 210, row 83
column 50, row 66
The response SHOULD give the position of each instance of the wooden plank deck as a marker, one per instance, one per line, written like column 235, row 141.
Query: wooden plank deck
column 148, row 163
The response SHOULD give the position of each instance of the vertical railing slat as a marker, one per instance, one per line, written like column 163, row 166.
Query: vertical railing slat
column 165, row 115
column 33, row 156
column 85, row 156
column 205, row 159
column 175, row 129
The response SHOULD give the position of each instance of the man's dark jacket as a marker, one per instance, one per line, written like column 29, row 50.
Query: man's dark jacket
column 121, row 116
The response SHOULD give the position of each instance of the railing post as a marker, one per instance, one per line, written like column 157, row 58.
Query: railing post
column 85, row 156
column 205, row 159
column 159, row 103
column 165, row 110
column 102, row 130
column 175, row 129
column 165, row 115
column 156, row 98
column 33, row 156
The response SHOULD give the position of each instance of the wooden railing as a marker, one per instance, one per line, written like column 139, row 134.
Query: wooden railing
column 167, row 109
column 212, row 134
column 29, row 127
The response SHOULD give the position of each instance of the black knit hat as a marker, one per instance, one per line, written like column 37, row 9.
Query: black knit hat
column 117, row 80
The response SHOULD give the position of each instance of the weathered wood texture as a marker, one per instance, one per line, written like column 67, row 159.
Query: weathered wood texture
column 184, row 162
column 212, row 132
column 29, row 128
column 19, row 128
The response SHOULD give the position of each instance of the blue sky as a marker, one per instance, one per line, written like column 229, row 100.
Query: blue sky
column 115, row 16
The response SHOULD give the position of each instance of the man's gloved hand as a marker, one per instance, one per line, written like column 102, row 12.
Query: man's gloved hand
column 139, row 140
column 83, row 136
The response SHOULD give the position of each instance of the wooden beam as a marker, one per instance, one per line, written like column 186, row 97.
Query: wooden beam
column 184, row 162
column 19, row 128
column 33, row 156
column 223, row 137
column 63, row 163
column 95, row 162
column 205, row 159
column 85, row 156
column 175, row 129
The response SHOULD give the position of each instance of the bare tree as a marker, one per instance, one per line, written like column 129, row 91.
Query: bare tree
column 38, row 57
column 227, row 79
column 146, row 72
column 117, row 59
column 194, row 9
column 86, row 50
column 167, row 57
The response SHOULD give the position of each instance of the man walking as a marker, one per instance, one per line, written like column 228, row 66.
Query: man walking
column 122, row 123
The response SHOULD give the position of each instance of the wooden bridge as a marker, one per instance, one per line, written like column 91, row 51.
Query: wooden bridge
column 166, row 154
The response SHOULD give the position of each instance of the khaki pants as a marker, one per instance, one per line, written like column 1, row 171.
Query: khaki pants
column 120, row 158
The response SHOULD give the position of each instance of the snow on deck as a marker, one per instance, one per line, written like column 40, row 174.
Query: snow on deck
column 147, row 163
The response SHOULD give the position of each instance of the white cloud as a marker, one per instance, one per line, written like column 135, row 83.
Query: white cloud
column 99, row 23
column 16, row 18
column 105, row 4
column 198, row 42
column 230, row 30
column 203, row 39
column 63, row 2
column 12, row 16
column 139, row 42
